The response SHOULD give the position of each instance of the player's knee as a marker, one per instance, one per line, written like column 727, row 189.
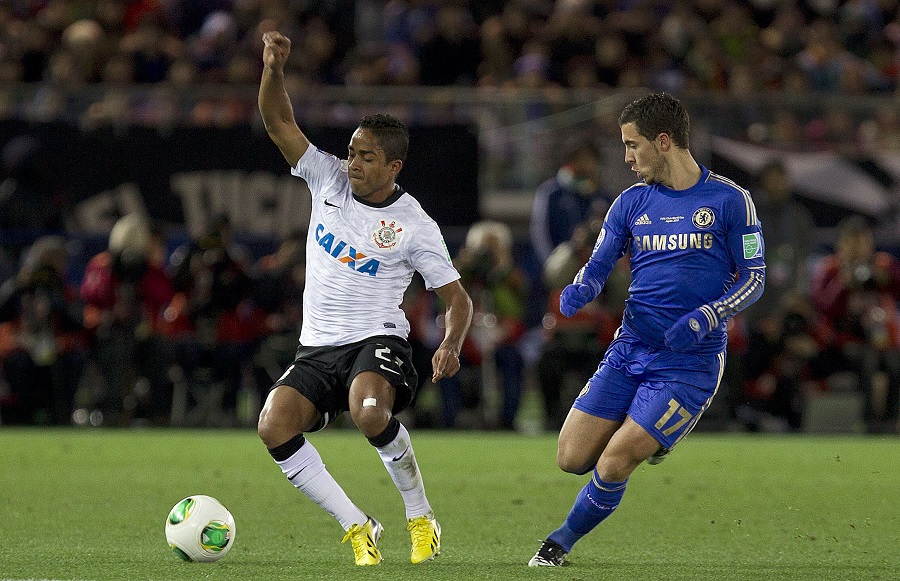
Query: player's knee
column 267, row 428
column 371, row 420
column 571, row 462
column 617, row 467
column 275, row 426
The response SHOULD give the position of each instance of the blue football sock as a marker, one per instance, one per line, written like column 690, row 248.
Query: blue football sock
column 596, row 501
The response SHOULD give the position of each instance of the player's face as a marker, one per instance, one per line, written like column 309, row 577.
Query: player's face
column 371, row 175
column 642, row 155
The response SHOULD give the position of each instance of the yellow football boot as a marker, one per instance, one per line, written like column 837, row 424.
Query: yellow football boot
column 425, row 533
column 364, row 540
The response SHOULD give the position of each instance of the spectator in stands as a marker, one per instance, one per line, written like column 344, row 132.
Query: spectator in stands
column 217, row 324
column 278, row 292
column 31, row 196
column 855, row 293
column 771, row 347
column 789, row 240
column 450, row 53
column 42, row 345
column 784, row 360
column 572, row 344
column 152, row 50
column 424, row 311
column 499, row 291
column 125, row 290
column 567, row 199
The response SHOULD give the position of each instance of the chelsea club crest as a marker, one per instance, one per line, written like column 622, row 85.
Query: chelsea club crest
column 386, row 235
column 703, row 218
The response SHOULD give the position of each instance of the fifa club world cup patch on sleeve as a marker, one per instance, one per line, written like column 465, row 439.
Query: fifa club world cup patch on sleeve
column 752, row 246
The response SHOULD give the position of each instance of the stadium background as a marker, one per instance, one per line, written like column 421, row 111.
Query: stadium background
column 100, row 116
column 147, row 106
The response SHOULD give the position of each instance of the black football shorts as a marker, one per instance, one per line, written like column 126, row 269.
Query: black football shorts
column 323, row 374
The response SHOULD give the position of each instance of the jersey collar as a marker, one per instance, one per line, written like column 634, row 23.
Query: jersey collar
column 398, row 191
column 704, row 175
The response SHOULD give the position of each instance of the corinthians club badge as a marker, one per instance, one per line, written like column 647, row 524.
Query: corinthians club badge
column 386, row 235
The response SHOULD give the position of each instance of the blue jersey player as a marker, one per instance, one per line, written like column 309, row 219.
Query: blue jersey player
column 696, row 251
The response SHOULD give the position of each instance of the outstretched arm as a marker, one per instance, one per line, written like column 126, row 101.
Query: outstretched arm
column 274, row 104
column 456, row 323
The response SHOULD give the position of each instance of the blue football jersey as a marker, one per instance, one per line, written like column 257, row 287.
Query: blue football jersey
column 688, row 248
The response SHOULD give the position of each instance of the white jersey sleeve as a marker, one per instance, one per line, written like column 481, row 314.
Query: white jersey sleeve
column 320, row 170
column 429, row 256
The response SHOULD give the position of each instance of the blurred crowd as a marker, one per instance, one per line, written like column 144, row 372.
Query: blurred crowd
column 148, row 336
column 774, row 47
column 196, row 334
column 834, row 46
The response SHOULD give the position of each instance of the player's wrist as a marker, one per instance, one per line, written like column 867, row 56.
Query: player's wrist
column 274, row 70
column 708, row 318
column 454, row 351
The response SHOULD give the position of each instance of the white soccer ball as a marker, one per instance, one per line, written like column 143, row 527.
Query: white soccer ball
column 200, row 528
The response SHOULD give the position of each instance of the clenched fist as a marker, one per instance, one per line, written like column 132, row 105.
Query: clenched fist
column 276, row 51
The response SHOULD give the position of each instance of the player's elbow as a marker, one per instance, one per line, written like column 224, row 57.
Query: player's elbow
column 759, row 277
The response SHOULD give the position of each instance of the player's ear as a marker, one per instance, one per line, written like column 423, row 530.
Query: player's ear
column 665, row 142
column 395, row 166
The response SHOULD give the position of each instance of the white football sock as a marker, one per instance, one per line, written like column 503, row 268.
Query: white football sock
column 307, row 473
column 400, row 461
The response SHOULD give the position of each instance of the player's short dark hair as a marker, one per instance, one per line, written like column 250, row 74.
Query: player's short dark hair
column 391, row 133
column 659, row 113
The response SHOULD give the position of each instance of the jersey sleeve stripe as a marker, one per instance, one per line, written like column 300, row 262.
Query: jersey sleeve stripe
column 748, row 201
column 711, row 316
column 751, row 209
column 732, row 304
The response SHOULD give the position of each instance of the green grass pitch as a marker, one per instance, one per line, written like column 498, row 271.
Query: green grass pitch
column 91, row 504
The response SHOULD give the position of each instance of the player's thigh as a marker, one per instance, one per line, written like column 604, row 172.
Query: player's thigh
column 597, row 412
column 582, row 440
column 627, row 448
column 388, row 358
column 285, row 414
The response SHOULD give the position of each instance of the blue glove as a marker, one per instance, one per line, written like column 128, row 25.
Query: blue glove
column 690, row 329
column 575, row 296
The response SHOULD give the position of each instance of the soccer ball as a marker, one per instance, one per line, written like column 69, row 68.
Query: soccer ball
column 200, row 528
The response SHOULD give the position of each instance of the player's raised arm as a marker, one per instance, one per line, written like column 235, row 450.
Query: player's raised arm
column 457, row 319
column 274, row 104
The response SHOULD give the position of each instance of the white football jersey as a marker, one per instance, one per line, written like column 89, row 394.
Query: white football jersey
column 360, row 257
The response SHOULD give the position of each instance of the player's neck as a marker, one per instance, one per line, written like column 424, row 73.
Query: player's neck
column 379, row 196
column 684, row 171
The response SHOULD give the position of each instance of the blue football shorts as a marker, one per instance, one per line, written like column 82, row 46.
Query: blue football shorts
column 663, row 391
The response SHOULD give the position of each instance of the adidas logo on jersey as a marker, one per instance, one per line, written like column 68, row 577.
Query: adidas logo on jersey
column 643, row 221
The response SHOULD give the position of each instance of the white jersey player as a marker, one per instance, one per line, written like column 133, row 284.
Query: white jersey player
column 366, row 239
column 360, row 249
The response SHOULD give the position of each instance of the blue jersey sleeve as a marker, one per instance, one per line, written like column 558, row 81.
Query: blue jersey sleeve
column 609, row 248
column 747, row 249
